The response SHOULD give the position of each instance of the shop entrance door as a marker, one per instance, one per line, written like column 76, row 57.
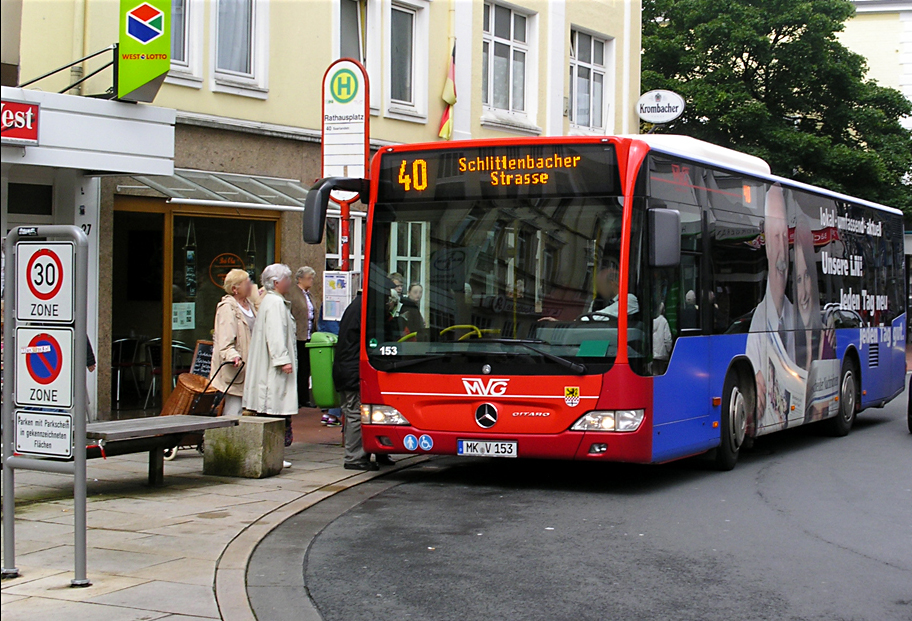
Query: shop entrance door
column 137, row 290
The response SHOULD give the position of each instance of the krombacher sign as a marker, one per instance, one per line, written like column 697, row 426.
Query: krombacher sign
column 144, row 50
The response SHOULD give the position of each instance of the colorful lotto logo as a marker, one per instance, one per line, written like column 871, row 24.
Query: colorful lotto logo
column 145, row 23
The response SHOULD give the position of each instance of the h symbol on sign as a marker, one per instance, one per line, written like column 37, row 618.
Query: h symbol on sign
column 344, row 84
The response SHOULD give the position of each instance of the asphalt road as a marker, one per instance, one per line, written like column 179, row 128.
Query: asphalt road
column 805, row 527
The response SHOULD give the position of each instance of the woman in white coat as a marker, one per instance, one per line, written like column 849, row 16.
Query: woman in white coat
column 270, row 387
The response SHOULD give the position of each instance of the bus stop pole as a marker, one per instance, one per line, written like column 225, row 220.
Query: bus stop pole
column 345, row 229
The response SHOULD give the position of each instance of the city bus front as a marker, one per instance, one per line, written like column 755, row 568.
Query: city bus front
column 498, row 319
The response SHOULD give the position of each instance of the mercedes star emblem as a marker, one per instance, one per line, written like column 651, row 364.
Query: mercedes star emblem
column 486, row 415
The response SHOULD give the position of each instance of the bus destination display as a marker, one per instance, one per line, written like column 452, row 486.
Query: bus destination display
column 489, row 172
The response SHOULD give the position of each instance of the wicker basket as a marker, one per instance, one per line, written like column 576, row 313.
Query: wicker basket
column 190, row 396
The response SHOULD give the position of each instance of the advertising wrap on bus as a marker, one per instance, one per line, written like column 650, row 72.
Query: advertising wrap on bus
column 515, row 306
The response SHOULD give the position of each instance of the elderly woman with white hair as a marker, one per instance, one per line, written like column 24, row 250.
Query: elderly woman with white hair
column 271, row 388
column 235, row 317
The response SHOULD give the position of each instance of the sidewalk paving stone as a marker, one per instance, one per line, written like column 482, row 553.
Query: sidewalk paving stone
column 161, row 596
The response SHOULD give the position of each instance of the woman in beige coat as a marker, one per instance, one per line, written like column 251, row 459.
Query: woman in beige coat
column 234, row 320
column 271, row 388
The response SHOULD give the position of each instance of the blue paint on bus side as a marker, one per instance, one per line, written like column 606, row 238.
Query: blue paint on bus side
column 882, row 355
column 683, row 414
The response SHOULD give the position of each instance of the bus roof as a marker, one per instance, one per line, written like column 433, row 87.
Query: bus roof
column 708, row 153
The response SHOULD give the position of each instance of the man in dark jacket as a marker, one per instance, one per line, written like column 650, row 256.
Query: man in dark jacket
column 347, row 378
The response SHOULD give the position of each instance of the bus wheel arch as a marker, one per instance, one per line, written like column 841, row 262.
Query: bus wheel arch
column 849, row 396
column 739, row 404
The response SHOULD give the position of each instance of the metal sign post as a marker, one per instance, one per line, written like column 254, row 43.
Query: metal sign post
column 44, row 375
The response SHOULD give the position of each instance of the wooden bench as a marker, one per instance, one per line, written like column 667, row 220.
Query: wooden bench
column 153, row 434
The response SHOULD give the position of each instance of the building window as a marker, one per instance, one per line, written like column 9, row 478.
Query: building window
column 405, row 67
column 235, row 36
column 358, row 232
column 588, row 64
column 241, row 47
column 352, row 29
column 179, row 32
column 402, row 56
column 504, row 51
column 186, row 38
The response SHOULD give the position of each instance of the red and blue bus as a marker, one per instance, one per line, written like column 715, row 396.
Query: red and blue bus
column 636, row 299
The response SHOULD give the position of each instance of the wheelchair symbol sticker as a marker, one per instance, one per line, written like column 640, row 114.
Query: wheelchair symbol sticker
column 425, row 442
column 411, row 442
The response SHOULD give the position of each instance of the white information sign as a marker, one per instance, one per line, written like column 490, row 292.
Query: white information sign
column 183, row 315
column 44, row 367
column 44, row 282
column 338, row 291
column 660, row 106
column 44, row 433
column 346, row 119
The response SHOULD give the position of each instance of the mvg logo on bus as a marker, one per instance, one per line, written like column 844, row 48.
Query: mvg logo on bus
column 478, row 387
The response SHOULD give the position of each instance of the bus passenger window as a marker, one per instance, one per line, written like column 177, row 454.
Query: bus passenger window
column 690, row 285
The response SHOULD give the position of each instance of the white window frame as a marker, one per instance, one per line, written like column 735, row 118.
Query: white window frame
column 521, row 121
column 371, row 57
column 420, row 258
column 189, row 72
column 256, row 83
column 358, row 231
column 606, row 70
column 415, row 111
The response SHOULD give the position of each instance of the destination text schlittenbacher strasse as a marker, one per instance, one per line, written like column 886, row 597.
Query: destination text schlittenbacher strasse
column 501, row 167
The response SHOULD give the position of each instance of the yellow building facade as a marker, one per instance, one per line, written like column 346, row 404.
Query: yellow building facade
column 881, row 31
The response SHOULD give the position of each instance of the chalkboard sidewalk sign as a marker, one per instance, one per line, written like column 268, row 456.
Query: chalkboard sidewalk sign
column 202, row 358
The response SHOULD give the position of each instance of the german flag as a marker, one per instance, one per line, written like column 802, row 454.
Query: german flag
column 449, row 97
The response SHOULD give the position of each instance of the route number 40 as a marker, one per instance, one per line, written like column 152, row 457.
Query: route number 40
column 416, row 178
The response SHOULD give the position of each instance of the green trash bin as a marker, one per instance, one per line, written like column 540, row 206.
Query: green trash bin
column 322, row 349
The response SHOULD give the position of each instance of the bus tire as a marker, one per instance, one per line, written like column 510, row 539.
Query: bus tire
column 841, row 424
column 736, row 402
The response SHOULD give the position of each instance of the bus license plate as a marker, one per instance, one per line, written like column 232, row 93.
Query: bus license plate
column 486, row 448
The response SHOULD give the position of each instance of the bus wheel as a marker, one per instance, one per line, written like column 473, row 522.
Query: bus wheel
column 735, row 405
column 840, row 424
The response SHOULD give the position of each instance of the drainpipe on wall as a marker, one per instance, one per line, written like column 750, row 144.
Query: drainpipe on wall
column 79, row 44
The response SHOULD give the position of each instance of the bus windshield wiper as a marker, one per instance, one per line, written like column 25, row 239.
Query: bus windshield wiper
column 576, row 367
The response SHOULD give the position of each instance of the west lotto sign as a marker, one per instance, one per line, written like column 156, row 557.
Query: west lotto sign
column 44, row 367
column 44, row 282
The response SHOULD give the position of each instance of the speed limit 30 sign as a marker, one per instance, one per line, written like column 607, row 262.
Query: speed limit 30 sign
column 44, row 283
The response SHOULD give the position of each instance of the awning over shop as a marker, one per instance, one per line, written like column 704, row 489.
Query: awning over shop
column 197, row 187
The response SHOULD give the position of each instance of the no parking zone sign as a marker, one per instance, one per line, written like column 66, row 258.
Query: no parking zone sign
column 44, row 282
column 44, row 367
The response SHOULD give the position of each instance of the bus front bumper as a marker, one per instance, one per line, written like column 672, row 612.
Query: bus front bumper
column 633, row 447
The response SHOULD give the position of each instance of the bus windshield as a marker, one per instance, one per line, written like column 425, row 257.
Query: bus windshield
column 527, row 285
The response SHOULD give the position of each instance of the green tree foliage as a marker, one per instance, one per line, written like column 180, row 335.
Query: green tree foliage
column 769, row 77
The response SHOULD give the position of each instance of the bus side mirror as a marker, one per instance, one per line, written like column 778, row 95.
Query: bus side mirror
column 317, row 201
column 664, row 227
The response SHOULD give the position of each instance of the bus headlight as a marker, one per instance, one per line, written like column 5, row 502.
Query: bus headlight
column 610, row 420
column 381, row 415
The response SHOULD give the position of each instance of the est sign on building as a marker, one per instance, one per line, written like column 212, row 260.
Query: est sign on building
column 19, row 122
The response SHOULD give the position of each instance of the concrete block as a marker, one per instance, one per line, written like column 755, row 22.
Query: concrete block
column 254, row 449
